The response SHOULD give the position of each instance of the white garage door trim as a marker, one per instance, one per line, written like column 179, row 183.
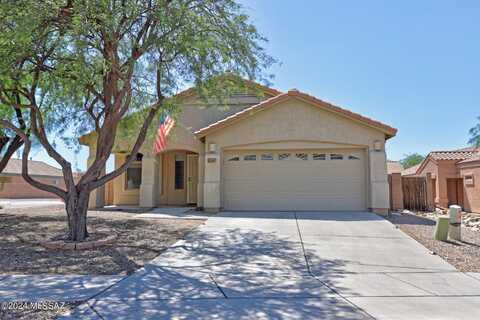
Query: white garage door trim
column 323, row 180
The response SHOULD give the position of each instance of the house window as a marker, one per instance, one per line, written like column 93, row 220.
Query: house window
column 319, row 156
column 179, row 172
column 301, row 156
column 469, row 181
column 250, row 157
column 336, row 156
column 236, row 158
column 352, row 157
column 283, row 156
column 133, row 175
column 267, row 156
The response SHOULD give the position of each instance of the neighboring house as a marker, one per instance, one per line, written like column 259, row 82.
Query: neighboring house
column 273, row 151
column 13, row 186
column 452, row 176
column 410, row 171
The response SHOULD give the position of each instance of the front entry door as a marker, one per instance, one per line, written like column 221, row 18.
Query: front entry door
column 455, row 191
column 192, row 178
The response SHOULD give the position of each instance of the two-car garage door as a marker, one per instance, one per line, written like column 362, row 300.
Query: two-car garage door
column 294, row 180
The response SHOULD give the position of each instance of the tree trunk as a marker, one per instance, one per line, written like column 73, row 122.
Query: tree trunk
column 77, row 206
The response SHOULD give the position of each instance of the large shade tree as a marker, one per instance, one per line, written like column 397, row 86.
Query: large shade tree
column 24, row 46
column 117, row 63
column 475, row 134
column 411, row 159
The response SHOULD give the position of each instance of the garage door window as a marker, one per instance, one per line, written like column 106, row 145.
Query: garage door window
column 236, row 158
column 319, row 156
column 250, row 157
column 267, row 157
column 336, row 156
column 301, row 156
column 352, row 157
column 283, row 156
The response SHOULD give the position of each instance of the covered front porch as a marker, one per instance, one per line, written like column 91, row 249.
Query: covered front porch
column 173, row 177
column 170, row 178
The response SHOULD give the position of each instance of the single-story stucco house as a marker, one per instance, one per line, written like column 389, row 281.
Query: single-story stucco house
column 267, row 151
column 454, row 177
column 13, row 186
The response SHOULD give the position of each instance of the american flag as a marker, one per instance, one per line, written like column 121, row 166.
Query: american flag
column 166, row 124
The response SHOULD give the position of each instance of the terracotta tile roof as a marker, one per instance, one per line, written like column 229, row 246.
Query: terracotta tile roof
column 474, row 158
column 411, row 171
column 394, row 167
column 453, row 155
column 390, row 131
column 35, row 168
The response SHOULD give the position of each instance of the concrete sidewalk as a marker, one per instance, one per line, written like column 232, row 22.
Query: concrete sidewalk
column 48, row 287
column 292, row 266
column 30, row 203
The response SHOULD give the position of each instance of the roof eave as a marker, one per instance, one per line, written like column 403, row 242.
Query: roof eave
column 389, row 132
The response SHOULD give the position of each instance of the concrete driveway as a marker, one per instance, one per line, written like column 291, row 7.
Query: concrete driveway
column 287, row 265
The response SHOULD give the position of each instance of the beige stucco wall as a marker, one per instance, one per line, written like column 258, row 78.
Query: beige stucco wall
column 194, row 114
column 471, row 192
column 121, row 196
column 291, row 123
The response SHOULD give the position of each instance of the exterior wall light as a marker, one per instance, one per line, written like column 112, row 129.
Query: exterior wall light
column 212, row 147
column 377, row 145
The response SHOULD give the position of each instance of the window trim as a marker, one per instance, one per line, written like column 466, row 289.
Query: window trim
column 297, row 154
column 287, row 158
column 250, row 157
column 267, row 157
column 319, row 156
column 235, row 158
column 336, row 156
column 469, row 179
column 133, row 165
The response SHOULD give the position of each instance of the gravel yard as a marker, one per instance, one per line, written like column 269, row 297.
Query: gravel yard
column 463, row 255
column 138, row 241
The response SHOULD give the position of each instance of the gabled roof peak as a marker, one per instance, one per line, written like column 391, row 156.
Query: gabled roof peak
column 389, row 131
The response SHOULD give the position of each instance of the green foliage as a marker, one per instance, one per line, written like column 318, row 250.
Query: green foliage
column 23, row 41
column 187, row 42
column 411, row 160
column 475, row 135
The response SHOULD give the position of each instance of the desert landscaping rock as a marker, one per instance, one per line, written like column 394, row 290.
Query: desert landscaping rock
column 469, row 219
column 127, row 244
column 464, row 255
column 86, row 245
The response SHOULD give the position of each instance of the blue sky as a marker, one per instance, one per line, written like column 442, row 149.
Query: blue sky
column 411, row 64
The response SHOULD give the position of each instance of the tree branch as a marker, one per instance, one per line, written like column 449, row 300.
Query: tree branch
column 26, row 150
column 16, row 143
column 138, row 143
